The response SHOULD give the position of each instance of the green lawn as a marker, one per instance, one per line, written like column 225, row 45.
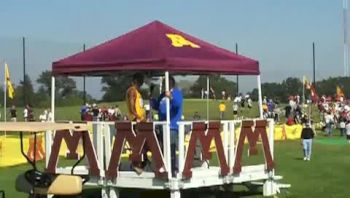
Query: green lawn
column 190, row 107
column 326, row 175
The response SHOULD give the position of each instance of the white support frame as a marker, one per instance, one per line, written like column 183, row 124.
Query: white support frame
column 53, row 87
column 231, row 144
column 181, row 148
column 270, row 187
column 49, row 134
column 226, row 125
column 208, row 97
column 167, row 141
column 260, row 96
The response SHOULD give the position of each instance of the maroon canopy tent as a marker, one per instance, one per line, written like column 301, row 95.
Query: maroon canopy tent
column 156, row 47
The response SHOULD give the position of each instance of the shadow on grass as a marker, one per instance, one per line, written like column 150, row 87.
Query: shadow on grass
column 299, row 158
column 190, row 193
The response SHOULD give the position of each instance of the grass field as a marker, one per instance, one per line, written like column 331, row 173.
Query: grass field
column 190, row 107
column 326, row 175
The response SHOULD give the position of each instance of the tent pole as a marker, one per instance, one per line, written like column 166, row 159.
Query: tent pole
column 208, row 93
column 160, row 85
column 167, row 128
column 53, row 98
column 259, row 96
column 84, row 88
column 49, row 134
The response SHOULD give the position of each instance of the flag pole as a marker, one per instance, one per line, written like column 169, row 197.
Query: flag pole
column 5, row 96
column 346, row 44
column 314, row 63
column 24, row 71
column 304, row 80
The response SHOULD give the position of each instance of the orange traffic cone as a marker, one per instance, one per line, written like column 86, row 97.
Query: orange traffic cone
column 284, row 134
column 39, row 153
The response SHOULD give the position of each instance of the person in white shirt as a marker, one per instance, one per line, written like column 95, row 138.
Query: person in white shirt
column 329, row 119
column 49, row 115
column 292, row 104
column 250, row 103
column 235, row 109
column 111, row 111
column 118, row 113
column 25, row 114
column 347, row 130
column 223, row 94
column 42, row 117
column 237, row 99
column 297, row 99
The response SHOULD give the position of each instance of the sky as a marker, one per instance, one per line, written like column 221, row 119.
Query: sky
column 277, row 33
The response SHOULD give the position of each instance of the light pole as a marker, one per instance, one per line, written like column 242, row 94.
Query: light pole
column 346, row 42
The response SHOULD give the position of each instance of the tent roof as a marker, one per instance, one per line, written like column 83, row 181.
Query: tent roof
column 156, row 47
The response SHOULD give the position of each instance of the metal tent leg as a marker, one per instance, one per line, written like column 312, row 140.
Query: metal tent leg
column 175, row 194
column 270, row 188
column 113, row 193
column 104, row 192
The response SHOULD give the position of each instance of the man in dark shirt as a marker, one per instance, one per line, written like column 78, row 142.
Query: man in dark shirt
column 288, row 109
column 13, row 113
column 307, row 134
column 30, row 113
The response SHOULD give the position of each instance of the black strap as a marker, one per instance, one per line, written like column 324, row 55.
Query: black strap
column 38, row 178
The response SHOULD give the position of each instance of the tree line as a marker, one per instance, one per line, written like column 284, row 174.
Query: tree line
column 114, row 89
column 66, row 92
column 294, row 86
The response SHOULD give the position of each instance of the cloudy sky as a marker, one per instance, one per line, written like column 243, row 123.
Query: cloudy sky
column 277, row 33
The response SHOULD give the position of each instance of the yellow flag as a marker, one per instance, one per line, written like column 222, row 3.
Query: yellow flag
column 339, row 92
column 11, row 91
column 306, row 83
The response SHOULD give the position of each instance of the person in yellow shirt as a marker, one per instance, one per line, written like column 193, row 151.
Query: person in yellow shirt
column 222, row 109
column 265, row 110
column 134, row 101
column 136, row 113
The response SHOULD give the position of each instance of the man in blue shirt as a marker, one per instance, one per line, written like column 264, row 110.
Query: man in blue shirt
column 176, row 101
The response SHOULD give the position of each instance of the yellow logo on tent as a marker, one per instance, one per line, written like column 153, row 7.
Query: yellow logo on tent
column 179, row 41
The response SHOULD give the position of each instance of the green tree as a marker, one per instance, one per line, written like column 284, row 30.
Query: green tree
column 30, row 96
column 44, row 80
column 114, row 87
column 280, row 91
column 328, row 86
column 292, row 86
column 217, row 82
column 270, row 90
column 64, row 86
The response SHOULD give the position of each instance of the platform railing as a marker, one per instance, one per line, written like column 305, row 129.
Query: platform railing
column 104, row 132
